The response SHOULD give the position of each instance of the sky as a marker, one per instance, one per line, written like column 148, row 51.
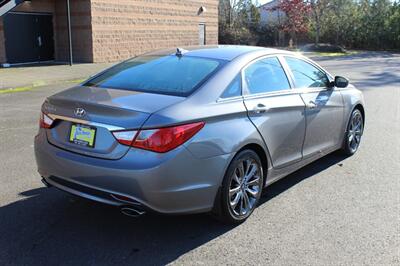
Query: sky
column 261, row 2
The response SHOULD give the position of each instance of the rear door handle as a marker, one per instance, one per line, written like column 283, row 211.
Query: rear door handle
column 312, row 105
column 260, row 108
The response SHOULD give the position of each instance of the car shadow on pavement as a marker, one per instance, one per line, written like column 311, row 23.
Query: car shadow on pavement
column 53, row 228
column 307, row 171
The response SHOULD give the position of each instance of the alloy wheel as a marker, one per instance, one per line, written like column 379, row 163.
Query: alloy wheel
column 355, row 131
column 245, row 187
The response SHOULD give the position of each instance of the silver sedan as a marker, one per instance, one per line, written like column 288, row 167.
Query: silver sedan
column 201, row 129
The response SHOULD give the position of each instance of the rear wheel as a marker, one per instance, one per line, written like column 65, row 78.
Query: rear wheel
column 354, row 133
column 241, row 188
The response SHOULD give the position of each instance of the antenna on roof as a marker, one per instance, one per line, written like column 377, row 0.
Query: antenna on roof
column 180, row 52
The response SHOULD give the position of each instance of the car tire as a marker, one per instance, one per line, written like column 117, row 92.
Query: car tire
column 241, row 188
column 354, row 132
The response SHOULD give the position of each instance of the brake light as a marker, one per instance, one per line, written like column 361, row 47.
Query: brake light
column 45, row 121
column 159, row 140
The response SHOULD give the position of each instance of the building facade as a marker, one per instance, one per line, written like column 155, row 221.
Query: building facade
column 103, row 30
column 270, row 15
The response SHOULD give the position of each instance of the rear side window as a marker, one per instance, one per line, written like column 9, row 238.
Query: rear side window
column 234, row 89
column 165, row 75
column 266, row 75
column 306, row 75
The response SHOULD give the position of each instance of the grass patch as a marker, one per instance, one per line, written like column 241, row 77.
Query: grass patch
column 18, row 89
column 38, row 84
column 76, row 81
column 333, row 54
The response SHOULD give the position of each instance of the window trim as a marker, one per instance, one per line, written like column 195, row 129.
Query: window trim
column 245, row 90
column 230, row 99
column 288, row 73
column 308, row 61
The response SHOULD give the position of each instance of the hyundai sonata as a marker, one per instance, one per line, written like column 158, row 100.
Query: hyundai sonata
column 201, row 129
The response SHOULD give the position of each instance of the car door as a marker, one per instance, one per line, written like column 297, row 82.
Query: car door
column 275, row 109
column 324, row 106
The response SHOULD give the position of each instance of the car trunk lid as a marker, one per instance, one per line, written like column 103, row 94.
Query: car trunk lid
column 101, row 111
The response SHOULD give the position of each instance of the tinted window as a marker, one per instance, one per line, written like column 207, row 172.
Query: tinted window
column 305, row 74
column 166, row 75
column 234, row 89
column 266, row 75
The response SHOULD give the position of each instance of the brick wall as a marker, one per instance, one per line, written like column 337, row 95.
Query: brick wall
column 124, row 28
column 81, row 31
column 107, row 31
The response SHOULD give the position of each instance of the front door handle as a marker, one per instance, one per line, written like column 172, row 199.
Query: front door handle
column 260, row 108
column 312, row 105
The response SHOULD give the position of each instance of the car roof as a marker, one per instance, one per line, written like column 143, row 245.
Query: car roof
column 219, row 52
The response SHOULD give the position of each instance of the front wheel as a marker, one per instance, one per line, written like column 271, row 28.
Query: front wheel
column 355, row 129
column 241, row 188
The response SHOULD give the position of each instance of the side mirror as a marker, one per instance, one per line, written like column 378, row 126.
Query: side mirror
column 341, row 82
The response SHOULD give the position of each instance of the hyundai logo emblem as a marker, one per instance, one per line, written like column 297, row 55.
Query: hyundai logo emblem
column 80, row 112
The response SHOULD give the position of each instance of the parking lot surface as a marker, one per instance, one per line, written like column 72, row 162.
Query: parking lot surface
column 336, row 211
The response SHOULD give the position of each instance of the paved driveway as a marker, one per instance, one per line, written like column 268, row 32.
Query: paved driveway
column 337, row 211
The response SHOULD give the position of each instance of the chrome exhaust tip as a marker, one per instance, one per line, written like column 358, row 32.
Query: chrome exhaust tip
column 45, row 183
column 132, row 212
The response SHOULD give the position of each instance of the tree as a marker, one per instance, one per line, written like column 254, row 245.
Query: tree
column 393, row 26
column 296, row 12
column 254, row 17
column 226, row 16
column 340, row 23
column 318, row 10
column 379, row 16
column 365, row 24
column 238, row 22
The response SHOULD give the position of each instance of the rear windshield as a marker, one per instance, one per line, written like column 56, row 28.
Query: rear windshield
column 171, row 74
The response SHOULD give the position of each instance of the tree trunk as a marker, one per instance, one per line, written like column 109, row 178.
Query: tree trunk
column 293, row 37
column 337, row 37
column 318, row 30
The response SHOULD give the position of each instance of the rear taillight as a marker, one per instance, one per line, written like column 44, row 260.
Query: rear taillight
column 45, row 121
column 159, row 140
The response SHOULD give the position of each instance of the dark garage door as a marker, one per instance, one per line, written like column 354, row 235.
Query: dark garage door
column 28, row 37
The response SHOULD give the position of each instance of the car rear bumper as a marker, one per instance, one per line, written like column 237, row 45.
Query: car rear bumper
column 173, row 182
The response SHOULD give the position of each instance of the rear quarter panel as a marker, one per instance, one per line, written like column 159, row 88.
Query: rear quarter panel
column 227, row 131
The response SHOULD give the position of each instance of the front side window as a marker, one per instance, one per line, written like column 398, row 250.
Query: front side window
column 159, row 74
column 306, row 75
column 266, row 75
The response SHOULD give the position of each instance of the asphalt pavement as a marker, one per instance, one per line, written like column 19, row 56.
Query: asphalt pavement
column 336, row 211
column 33, row 76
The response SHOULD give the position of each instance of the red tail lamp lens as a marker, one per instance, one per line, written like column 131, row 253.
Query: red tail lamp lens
column 45, row 121
column 163, row 139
